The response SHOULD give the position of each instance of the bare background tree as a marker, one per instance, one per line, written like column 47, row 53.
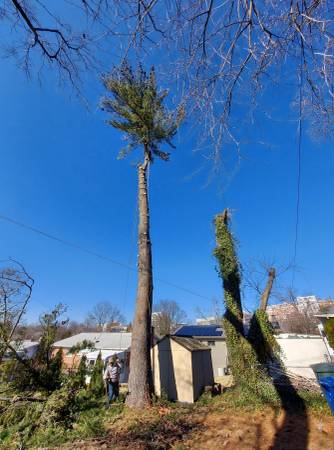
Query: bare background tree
column 218, row 56
column 258, row 272
column 168, row 315
column 63, row 36
column 15, row 292
column 297, row 319
column 104, row 313
column 290, row 317
column 222, row 54
column 214, row 313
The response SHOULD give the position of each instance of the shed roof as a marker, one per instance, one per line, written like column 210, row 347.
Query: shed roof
column 200, row 330
column 188, row 343
column 102, row 340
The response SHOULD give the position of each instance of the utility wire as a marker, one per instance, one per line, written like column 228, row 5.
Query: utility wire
column 299, row 164
column 93, row 253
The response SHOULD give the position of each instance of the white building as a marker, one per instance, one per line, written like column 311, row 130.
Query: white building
column 308, row 304
column 300, row 351
column 25, row 348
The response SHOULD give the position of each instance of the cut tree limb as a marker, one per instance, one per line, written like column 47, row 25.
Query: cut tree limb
column 266, row 293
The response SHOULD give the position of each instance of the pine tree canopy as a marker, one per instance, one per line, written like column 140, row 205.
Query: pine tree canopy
column 136, row 108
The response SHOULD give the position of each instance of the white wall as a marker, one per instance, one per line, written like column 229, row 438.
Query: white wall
column 300, row 352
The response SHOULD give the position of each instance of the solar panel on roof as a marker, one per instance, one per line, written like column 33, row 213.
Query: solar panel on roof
column 199, row 330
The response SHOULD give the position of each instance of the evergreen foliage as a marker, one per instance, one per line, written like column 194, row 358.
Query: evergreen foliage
column 59, row 408
column 83, row 345
column 246, row 370
column 43, row 371
column 80, row 375
column 329, row 331
column 96, row 385
column 137, row 109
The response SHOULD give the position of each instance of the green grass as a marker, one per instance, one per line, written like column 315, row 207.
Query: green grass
column 20, row 424
column 315, row 402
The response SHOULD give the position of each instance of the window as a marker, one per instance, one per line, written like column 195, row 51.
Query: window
column 211, row 343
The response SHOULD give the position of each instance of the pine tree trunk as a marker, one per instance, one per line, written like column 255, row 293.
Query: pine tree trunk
column 140, row 377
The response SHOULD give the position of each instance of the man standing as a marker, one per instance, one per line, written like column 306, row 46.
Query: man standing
column 111, row 377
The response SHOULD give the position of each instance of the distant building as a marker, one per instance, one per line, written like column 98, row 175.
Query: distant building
column 308, row 305
column 25, row 349
column 155, row 318
column 285, row 316
column 206, row 321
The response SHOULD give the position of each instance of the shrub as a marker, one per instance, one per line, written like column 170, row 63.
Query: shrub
column 96, row 385
column 60, row 407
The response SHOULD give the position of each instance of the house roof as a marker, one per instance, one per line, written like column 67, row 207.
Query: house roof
column 101, row 340
column 104, row 354
column 190, row 344
column 200, row 331
column 25, row 344
column 326, row 312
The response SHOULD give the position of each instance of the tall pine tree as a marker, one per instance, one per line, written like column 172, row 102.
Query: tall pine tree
column 137, row 109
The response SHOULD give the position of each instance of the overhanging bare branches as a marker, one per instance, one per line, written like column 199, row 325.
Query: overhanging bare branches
column 223, row 53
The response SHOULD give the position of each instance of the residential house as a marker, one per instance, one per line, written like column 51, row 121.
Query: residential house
column 26, row 348
column 108, row 343
column 301, row 351
column 323, row 315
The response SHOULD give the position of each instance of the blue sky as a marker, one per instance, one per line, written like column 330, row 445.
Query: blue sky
column 59, row 173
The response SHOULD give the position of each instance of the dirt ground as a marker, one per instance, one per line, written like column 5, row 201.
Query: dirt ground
column 205, row 428
column 262, row 431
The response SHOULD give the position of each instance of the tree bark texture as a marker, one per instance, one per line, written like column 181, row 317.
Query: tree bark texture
column 140, row 377
column 266, row 293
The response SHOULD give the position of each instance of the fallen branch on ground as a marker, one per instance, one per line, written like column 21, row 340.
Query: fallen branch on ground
column 22, row 399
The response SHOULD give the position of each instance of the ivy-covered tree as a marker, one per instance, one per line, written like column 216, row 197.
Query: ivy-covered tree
column 261, row 334
column 137, row 109
column 329, row 331
column 96, row 385
column 246, row 369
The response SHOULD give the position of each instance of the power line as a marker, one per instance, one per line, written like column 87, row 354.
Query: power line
column 299, row 160
column 93, row 253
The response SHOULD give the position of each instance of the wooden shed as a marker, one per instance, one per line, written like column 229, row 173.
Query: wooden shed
column 181, row 367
